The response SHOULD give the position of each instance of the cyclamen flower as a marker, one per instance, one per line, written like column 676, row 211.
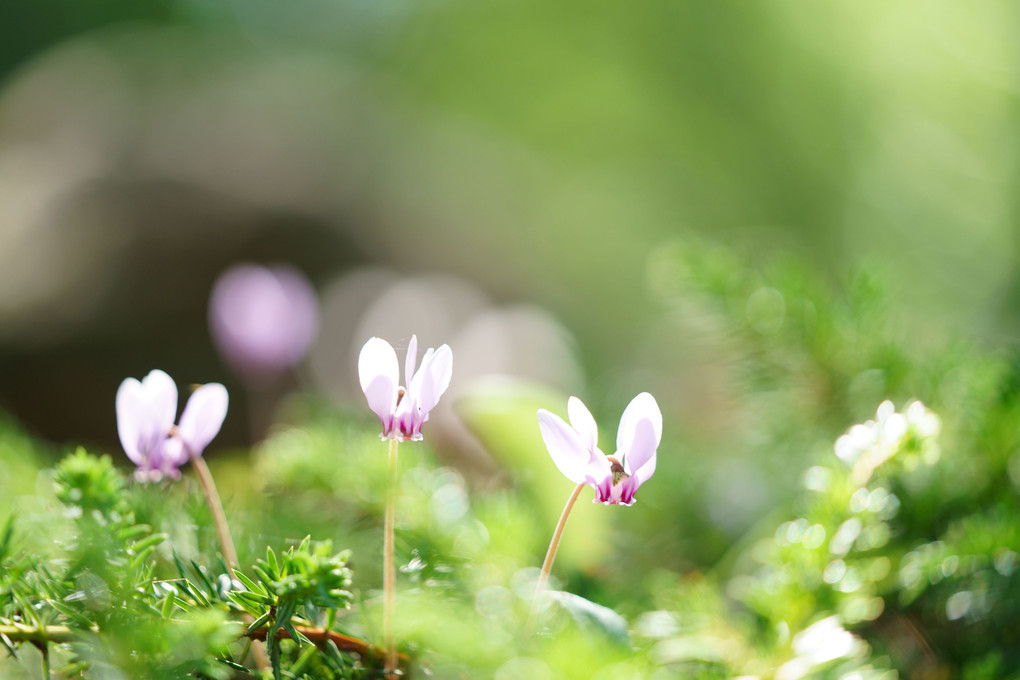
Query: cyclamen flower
column 263, row 320
column 403, row 410
column 574, row 448
column 145, row 423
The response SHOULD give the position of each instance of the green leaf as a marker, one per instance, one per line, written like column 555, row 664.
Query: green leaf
column 295, row 634
column 271, row 561
column 248, row 583
column 79, row 619
column 247, row 600
column 168, row 606
column 147, row 542
column 262, row 574
column 140, row 558
column 129, row 532
column 236, row 666
column 183, row 604
column 8, row 645
column 594, row 617
column 258, row 623
column 206, row 582
column 335, row 656
column 6, row 537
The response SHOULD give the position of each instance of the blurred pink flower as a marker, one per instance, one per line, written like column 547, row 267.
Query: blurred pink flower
column 145, row 423
column 403, row 410
column 263, row 320
column 574, row 448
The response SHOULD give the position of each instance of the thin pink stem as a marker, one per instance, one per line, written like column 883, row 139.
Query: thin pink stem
column 212, row 499
column 554, row 544
column 389, row 569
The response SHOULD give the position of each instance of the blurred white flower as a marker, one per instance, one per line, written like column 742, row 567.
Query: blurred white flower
column 818, row 644
column 867, row 445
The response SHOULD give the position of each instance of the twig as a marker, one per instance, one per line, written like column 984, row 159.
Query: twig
column 320, row 637
column 43, row 635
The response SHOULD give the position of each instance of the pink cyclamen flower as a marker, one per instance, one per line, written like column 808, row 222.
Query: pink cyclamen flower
column 574, row 448
column 403, row 410
column 145, row 423
column 263, row 320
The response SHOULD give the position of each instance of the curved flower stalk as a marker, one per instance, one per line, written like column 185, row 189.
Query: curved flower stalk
column 146, row 411
column 401, row 410
column 574, row 448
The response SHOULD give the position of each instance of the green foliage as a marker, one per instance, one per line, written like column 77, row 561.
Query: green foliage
column 91, row 485
column 894, row 554
column 301, row 582
column 102, row 604
column 887, row 548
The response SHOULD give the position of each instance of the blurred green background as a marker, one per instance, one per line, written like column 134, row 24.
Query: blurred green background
column 771, row 216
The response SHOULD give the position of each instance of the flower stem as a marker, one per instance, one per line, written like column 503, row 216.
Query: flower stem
column 389, row 569
column 212, row 499
column 554, row 544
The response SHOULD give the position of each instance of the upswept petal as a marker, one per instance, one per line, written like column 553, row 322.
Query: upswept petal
column 160, row 397
column 582, row 421
column 565, row 446
column 131, row 418
column 640, row 458
column 424, row 360
column 378, row 372
column 411, row 360
column 641, row 408
column 598, row 468
column 431, row 380
column 203, row 417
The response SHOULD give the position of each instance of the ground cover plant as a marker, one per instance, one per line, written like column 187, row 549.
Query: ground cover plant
column 891, row 551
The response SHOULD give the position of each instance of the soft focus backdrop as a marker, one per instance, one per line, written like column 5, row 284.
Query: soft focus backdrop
column 769, row 216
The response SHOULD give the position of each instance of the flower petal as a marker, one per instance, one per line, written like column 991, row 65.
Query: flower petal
column 173, row 454
column 642, row 454
column 161, row 402
column 431, row 380
column 565, row 446
column 642, row 409
column 378, row 373
column 203, row 417
column 582, row 421
column 626, row 490
column 411, row 360
column 132, row 417
column 599, row 474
